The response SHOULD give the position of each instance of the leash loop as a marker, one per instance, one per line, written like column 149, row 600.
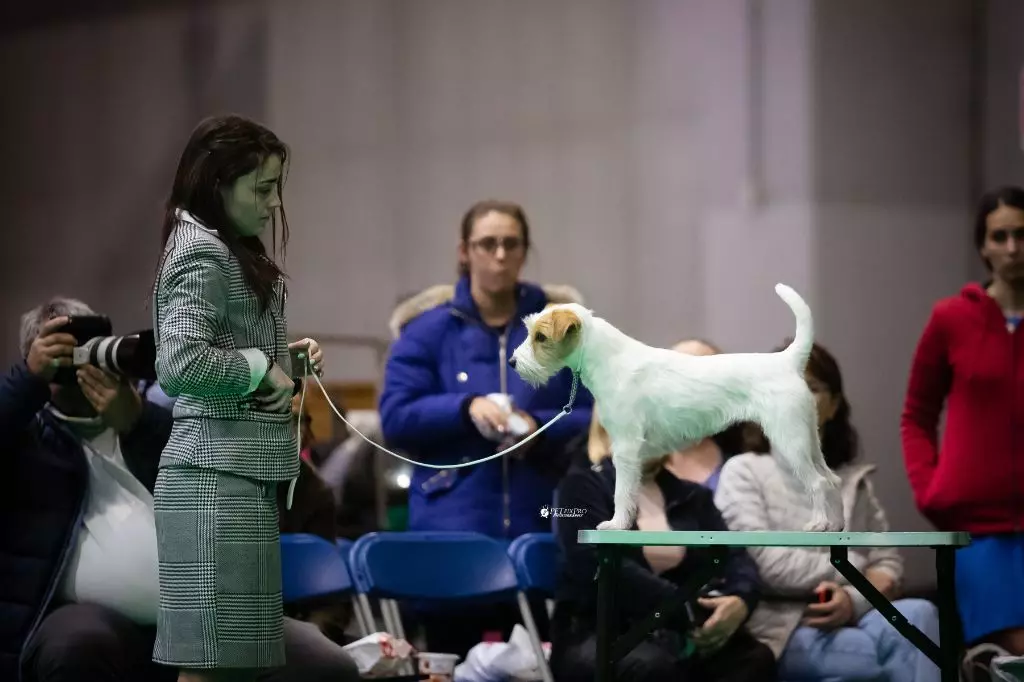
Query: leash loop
column 565, row 410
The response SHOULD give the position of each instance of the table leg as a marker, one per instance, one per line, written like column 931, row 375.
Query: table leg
column 921, row 641
column 949, row 640
column 609, row 560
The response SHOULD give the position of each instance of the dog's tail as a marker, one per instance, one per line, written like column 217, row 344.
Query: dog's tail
column 800, row 349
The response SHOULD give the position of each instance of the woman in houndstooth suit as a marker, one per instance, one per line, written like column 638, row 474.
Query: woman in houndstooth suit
column 222, row 352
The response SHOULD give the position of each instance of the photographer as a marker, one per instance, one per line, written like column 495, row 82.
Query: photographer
column 75, row 540
column 78, row 545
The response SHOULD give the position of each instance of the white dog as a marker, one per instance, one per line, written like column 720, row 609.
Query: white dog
column 654, row 401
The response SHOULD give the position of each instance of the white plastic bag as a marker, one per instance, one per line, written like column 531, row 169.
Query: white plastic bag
column 380, row 654
column 501, row 661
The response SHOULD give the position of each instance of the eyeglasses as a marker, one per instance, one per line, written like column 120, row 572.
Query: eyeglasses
column 490, row 244
column 1000, row 236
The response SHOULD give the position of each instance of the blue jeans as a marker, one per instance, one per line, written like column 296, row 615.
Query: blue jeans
column 872, row 651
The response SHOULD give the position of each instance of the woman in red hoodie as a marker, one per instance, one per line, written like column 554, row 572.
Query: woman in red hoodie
column 970, row 358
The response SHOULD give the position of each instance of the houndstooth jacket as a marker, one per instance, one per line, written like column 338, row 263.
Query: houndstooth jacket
column 213, row 346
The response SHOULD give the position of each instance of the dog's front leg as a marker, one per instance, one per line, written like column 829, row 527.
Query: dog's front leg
column 628, row 479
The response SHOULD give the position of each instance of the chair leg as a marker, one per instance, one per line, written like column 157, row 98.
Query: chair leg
column 396, row 616
column 364, row 629
column 397, row 628
column 531, row 628
column 385, row 613
column 363, row 602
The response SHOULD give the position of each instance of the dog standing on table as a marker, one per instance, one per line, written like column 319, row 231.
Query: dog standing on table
column 654, row 400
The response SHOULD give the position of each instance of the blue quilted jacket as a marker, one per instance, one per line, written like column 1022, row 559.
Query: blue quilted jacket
column 445, row 356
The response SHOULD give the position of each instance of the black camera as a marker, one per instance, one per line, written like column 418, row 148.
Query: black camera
column 697, row 614
column 132, row 355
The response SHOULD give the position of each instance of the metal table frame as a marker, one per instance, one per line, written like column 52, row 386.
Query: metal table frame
column 610, row 545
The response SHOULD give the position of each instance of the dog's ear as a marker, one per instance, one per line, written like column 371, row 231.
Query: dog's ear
column 564, row 324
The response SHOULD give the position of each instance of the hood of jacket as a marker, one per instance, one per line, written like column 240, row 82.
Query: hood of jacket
column 456, row 294
column 975, row 292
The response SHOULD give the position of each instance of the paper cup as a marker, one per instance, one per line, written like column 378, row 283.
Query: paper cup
column 440, row 667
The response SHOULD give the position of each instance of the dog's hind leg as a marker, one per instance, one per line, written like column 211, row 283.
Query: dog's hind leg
column 793, row 432
column 628, row 480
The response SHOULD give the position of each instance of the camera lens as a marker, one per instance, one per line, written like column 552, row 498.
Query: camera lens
column 132, row 356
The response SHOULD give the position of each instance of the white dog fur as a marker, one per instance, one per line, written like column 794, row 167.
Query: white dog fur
column 655, row 401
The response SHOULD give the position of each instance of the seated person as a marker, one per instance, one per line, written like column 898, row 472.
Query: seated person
column 649, row 576
column 843, row 638
column 348, row 466
column 77, row 535
column 702, row 463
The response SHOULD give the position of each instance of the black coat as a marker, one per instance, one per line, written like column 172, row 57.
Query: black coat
column 689, row 506
column 42, row 498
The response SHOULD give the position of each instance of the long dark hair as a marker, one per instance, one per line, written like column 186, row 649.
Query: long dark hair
column 482, row 208
column 839, row 440
column 221, row 150
column 990, row 201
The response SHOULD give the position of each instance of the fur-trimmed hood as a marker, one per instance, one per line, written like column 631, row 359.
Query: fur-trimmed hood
column 439, row 294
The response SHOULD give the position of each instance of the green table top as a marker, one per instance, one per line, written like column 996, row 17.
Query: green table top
column 767, row 538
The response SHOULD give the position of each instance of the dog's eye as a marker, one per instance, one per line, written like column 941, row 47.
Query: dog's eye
column 539, row 338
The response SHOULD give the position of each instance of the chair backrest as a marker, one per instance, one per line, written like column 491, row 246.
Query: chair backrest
column 432, row 565
column 312, row 567
column 535, row 558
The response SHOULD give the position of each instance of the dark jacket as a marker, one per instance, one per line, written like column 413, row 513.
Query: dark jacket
column 313, row 510
column 443, row 358
column 42, row 500
column 688, row 506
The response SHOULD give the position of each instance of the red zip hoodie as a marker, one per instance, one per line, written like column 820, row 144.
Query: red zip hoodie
column 969, row 361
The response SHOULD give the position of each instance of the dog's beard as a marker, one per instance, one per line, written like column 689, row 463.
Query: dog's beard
column 532, row 372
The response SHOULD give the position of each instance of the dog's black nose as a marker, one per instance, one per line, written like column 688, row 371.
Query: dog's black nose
column 512, row 362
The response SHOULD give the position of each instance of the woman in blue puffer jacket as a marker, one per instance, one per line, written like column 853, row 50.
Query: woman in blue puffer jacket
column 450, row 355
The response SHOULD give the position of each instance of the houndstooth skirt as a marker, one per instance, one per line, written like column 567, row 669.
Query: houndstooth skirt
column 220, row 571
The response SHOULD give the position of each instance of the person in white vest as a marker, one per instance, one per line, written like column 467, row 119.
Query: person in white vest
column 818, row 626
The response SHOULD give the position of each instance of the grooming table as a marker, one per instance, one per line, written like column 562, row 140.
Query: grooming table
column 610, row 545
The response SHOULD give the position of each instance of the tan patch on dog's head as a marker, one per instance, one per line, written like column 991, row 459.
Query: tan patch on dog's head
column 555, row 333
column 556, row 326
column 553, row 336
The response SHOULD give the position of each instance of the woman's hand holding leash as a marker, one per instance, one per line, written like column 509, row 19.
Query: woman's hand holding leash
column 303, row 348
column 275, row 392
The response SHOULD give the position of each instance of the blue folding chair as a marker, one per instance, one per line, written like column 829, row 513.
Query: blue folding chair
column 535, row 558
column 313, row 568
column 429, row 566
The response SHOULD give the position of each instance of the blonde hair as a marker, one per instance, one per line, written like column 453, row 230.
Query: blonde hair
column 598, row 445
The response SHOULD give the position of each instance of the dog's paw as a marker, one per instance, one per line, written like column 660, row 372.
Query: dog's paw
column 613, row 524
column 817, row 525
column 835, row 526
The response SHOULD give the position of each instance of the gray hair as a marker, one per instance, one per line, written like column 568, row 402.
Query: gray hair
column 58, row 306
